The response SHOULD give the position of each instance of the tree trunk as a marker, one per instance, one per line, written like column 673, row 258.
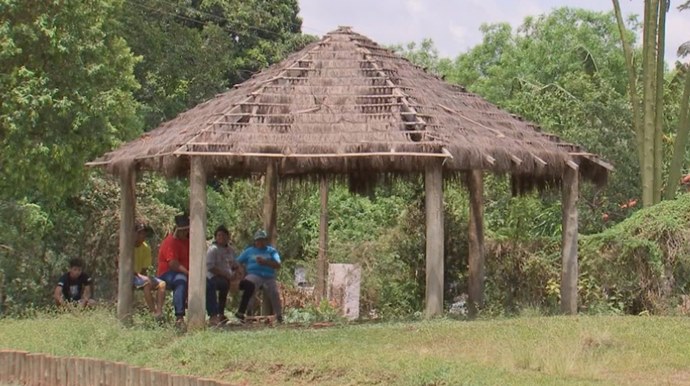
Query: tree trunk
column 649, row 94
column 476, row 243
column 632, row 82
column 680, row 144
column 659, row 107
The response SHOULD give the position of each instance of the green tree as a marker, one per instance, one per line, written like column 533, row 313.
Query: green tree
column 66, row 88
column 193, row 50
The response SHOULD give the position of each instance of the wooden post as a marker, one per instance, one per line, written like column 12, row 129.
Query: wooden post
column 270, row 202
column 270, row 217
column 476, row 242
column 125, row 292
column 433, row 183
column 569, row 251
column 197, row 245
column 322, row 262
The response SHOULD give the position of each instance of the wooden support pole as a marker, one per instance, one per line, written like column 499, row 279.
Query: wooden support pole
column 322, row 263
column 270, row 217
column 433, row 183
column 197, row 245
column 125, row 292
column 569, row 252
column 270, row 202
column 476, row 242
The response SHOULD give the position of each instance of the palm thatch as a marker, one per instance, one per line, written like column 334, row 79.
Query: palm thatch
column 345, row 105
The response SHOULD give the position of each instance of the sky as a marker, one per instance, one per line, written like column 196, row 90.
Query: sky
column 453, row 25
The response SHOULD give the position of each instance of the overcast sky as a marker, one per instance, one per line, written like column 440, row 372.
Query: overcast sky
column 454, row 24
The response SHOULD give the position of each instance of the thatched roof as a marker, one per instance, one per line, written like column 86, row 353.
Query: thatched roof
column 345, row 104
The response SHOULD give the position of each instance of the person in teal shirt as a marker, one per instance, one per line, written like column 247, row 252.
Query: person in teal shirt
column 262, row 261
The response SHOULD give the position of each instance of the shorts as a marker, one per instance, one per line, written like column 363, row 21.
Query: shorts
column 140, row 282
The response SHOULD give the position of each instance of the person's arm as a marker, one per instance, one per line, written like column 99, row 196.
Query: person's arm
column 174, row 265
column 87, row 293
column 273, row 262
column 57, row 294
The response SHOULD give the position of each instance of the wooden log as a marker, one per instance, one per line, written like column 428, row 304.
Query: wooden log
column 569, row 271
column 109, row 373
column 61, row 371
column 476, row 242
column 125, row 292
column 433, row 183
column 133, row 376
column 322, row 261
column 270, row 219
column 197, row 245
column 5, row 365
column 119, row 373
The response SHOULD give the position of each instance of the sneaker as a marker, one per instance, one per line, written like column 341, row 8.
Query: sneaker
column 223, row 320
column 279, row 319
column 214, row 321
column 180, row 325
column 239, row 317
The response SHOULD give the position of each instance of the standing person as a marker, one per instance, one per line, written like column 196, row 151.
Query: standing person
column 142, row 262
column 173, row 268
column 75, row 286
column 262, row 261
column 223, row 273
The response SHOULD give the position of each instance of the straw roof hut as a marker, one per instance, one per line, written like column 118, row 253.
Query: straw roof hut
column 345, row 105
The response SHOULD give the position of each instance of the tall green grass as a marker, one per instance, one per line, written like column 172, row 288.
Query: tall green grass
column 528, row 350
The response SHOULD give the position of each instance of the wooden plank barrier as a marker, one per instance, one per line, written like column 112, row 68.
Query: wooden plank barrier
column 23, row 368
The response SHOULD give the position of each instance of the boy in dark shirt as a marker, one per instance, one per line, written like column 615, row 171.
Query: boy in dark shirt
column 74, row 286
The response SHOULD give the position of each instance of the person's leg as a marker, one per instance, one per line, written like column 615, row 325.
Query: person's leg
column 179, row 288
column 271, row 289
column 256, row 280
column 159, row 286
column 211, row 299
column 247, row 288
column 222, row 286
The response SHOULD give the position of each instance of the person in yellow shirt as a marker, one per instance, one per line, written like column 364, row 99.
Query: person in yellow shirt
column 142, row 261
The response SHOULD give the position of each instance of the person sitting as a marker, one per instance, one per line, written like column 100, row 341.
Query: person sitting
column 75, row 286
column 224, row 273
column 262, row 261
column 142, row 262
column 173, row 269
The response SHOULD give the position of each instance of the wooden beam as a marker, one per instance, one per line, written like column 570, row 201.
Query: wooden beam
column 516, row 159
column 322, row 263
column 539, row 160
column 433, row 184
column 197, row 244
column 270, row 217
column 125, row 293
column 569, row 268
column 315, row 155
column 476, row 242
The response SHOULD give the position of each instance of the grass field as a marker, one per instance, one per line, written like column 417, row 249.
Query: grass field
column 527, row 350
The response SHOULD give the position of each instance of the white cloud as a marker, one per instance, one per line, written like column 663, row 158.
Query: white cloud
column 414, row 7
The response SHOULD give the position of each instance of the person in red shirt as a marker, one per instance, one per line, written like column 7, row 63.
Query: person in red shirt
column 173, row 265
column 173, row 269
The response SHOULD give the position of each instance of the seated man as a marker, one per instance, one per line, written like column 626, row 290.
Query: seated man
column 223, row 273
column 75, row 286
column 173, row 268
column 142, row 262
column 262, row 261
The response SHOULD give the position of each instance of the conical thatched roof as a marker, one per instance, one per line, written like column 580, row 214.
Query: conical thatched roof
column 346, row 105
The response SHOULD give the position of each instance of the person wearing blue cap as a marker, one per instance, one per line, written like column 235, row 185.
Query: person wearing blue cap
column 262, row 261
